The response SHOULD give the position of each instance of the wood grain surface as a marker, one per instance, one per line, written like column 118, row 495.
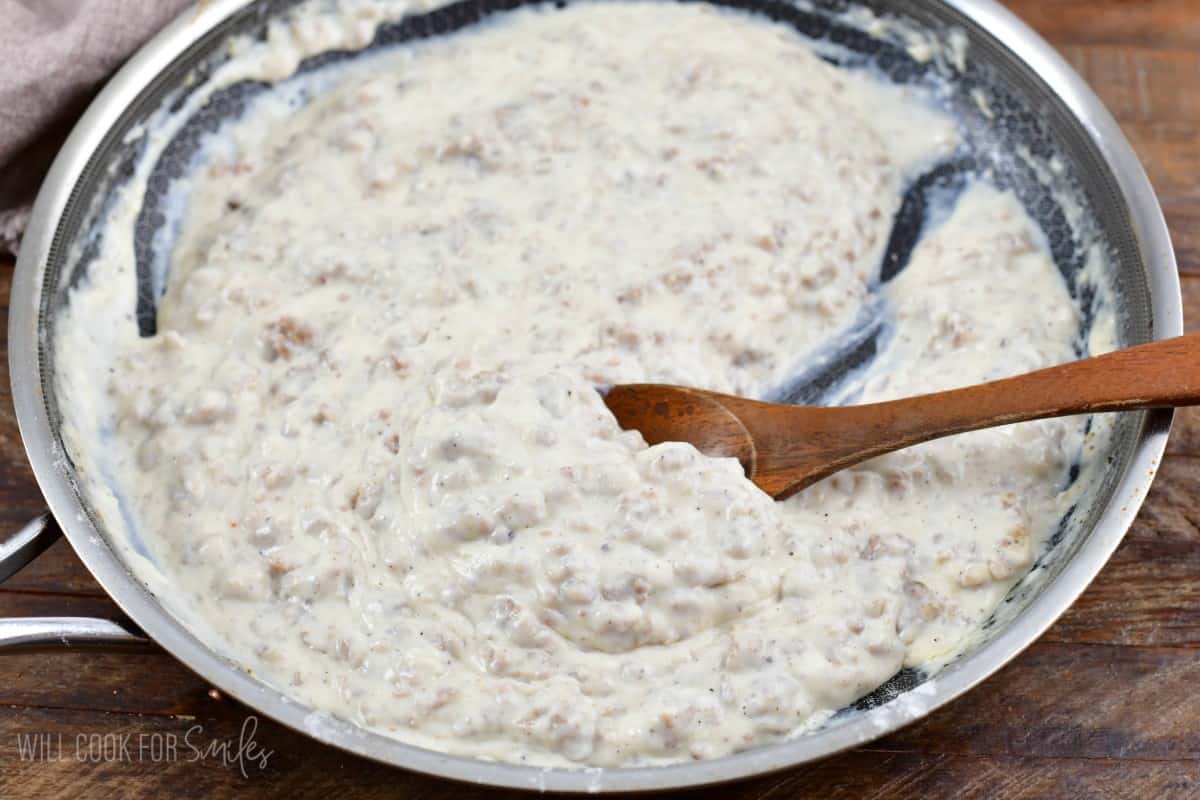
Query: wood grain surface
column 1104, row 705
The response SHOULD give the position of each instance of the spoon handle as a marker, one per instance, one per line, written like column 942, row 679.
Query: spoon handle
column 1156, row 375
column 784, row 448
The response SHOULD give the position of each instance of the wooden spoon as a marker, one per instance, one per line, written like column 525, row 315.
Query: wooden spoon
column 785, row 448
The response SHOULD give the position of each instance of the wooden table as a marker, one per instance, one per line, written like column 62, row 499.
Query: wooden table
column 1105, row 704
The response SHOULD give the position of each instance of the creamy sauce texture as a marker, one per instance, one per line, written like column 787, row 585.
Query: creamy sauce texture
column 366, row 448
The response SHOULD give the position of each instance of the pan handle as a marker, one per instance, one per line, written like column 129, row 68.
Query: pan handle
column 26, row 634
column 37, row 633
column 27, row 544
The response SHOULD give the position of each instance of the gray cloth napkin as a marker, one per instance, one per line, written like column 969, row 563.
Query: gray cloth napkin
column 54, row 55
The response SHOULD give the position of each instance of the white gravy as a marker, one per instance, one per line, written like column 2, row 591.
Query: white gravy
column 365, row 447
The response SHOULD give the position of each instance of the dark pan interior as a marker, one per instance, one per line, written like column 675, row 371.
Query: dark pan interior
column 1022, row 114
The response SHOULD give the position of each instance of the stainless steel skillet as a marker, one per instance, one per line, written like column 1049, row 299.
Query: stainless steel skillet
column 1035, row 102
